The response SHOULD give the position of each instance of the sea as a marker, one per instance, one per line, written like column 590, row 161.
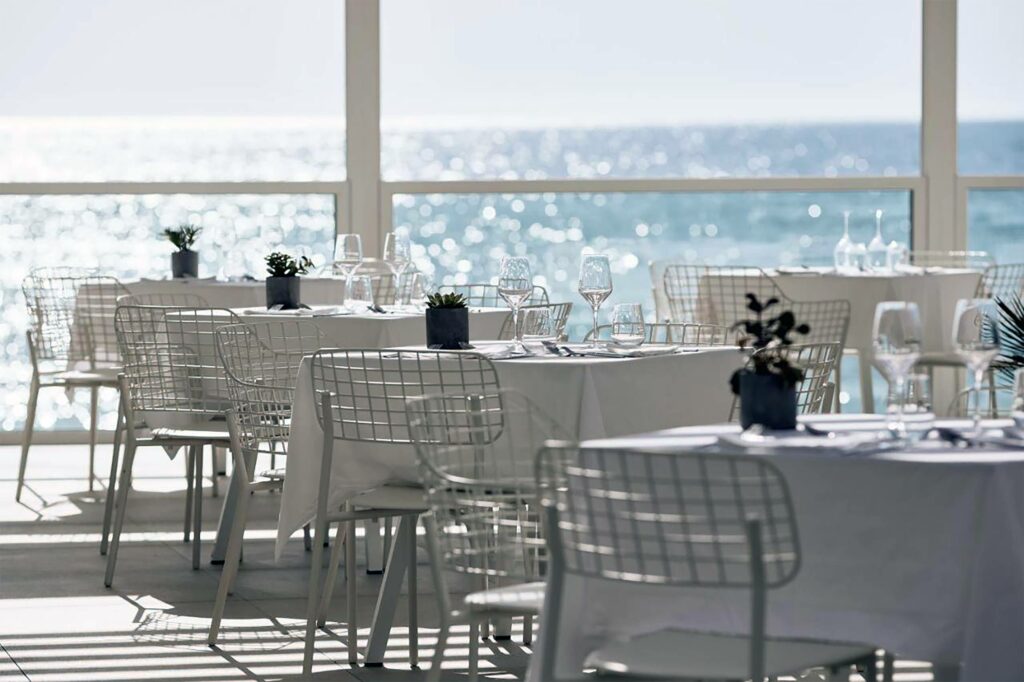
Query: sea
column 460, row 238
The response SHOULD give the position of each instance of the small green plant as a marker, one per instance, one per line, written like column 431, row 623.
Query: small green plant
column 183, row 236
column 446, row 301
column 282, row 265
column 769, row 337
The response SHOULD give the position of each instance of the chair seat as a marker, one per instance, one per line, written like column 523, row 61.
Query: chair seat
column 940, row 359
column 196, row 433
column 392, row 497
column 523, row 600
column 677, row 654
column 100, row 376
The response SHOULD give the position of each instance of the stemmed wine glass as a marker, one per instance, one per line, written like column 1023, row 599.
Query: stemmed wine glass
column 515, row 285
column 348, row 256
column 976, row 336
column 397, row 255
column 595, row 286
column 897, row 346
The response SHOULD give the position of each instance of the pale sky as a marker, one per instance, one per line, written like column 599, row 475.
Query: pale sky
column 480, row 62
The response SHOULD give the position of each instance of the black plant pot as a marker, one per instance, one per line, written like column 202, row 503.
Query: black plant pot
column 185, row 264
column 447, row 328
column 283, row 291
column 766, row 400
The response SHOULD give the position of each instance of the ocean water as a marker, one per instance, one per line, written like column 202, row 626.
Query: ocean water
column 459, row 238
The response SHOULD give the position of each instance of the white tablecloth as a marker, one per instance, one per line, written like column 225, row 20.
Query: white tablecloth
column 588, row 397
column 919, row 553
column 314, row 290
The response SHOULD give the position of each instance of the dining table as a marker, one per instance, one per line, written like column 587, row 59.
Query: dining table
column 917, row 549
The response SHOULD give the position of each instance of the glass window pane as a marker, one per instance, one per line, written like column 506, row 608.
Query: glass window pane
column 184, row 90
column 690, row 88
column 995, row 220
column 990, row 87
column 121, row 236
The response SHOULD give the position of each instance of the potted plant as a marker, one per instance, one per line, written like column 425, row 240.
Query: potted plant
column 447, row 321
column 184, row 261
column 283, row 283
column 767, row 385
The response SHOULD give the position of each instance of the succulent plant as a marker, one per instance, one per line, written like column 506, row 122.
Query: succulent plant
column 770, row 337
column 283, row 265
column 440, row 300
column 183, row 236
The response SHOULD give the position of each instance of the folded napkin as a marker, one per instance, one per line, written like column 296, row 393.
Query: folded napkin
column 799, row 441
column 639, row 352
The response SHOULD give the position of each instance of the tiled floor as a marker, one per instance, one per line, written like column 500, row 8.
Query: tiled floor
column 58, row 621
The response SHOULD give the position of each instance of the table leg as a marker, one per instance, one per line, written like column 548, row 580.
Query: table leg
column 390, row 590
column 227, row 517
column 867, row 395
column 374, row 547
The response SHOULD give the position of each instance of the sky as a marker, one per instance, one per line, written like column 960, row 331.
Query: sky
column 488, row 62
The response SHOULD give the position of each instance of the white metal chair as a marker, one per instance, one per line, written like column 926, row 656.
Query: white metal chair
column 814, row 395
column 71, row 344
column 483, row 295
column 382, row 278
column 171, row 372
column 996, row 402
column 261, row 362
column 559, row 312
column 361, row 396
column 477, row 457
column 682, row 333
column 679, row 520
column 174, row 299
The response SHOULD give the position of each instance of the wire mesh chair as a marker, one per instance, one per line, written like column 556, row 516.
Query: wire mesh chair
column 559, row 313
column 476, row 458
column 483, row 295
column 682, row 333
column 261, row 362
column 975, row 260
column 175, row 299
column 1001, row 281
column 71, row 344
column 815, row 393
column 361, row 397
column 684, row 520
column 996, row 402
column 714, row 294
column 172, row 373
column 382, row 279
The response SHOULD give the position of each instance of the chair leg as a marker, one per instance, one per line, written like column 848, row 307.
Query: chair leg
column 307, row 541
column 527, row 630
column 414, row 629
column 26, row 438
column 94, row 408
column 124, row 486
column 197, row 500
column 442, row 642
column 232, row 558
column 332, row 573
column 214, row 470
column 189, row 490
column 474, row 649
column 867, row 394
column 108, row 503
column 350, row 592
column 314, row 597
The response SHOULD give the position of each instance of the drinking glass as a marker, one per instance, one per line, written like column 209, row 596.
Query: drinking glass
column 539, row 325
column 976, row 336
column 515, row 284
column 397, row 256
column 918, row 411
column 359, row 293
column 896, row 342
column 628, row 325
column 595, row 286
column 421, row 286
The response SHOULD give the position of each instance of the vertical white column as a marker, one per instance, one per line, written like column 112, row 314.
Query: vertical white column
column 938, row 127
column 362, row 115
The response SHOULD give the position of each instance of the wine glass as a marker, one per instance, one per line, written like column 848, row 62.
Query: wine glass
column 841, row 253
column 976, row 335
column 397, row 255
column 878, row 250
column 348, row 256
column 515, row 285
column 359, row 292
column 595, row 286
column 896, row 342
column 628, row 325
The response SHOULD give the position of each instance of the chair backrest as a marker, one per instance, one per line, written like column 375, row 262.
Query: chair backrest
column 977, row 260
column 261, row 361
column 829, row 320
column 682, row 333
column 485, row 295
column 670, row 518
column 1001, row 281
column 996, row 402
column 559, row 312
column 369, row 387
column 714, row 294
column 820, row 362
column 477, row 455
column 175, row 299
column 71, row 315
column 171, row 360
